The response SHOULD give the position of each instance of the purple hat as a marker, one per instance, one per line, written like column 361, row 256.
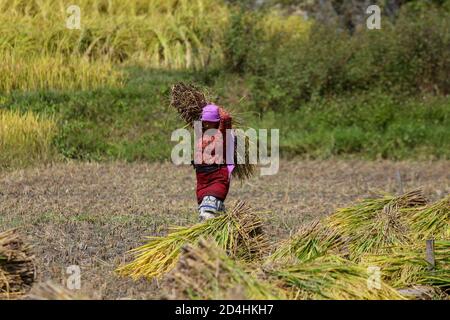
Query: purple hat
column 211, row 113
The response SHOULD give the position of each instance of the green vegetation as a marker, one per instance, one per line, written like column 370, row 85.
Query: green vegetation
column 368, row 93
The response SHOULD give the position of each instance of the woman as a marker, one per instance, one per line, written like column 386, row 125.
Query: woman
column 213, row 161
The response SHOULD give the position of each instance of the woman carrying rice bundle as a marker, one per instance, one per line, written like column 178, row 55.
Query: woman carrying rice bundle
column 213, row 160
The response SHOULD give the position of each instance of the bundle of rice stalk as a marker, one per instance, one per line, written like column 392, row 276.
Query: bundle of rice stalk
column 432, row 221
column 205, row 271
column 335, row 278
column 189, row 101
column 17, row 271
column 311, row 241
column 375, row 224
column 238, row 232
column 243, row 169
column 407, row 265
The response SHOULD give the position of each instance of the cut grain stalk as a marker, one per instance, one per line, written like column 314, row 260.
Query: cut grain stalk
column 17, row 271
column 332, row 277
column 205, row 271
column 311, row 241
column 375, row 224
column 238, row 232
column 407, row 265
column 432, row 221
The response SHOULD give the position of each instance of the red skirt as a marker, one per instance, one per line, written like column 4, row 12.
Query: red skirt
column 214, row 183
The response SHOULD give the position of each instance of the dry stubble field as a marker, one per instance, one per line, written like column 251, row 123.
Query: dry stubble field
column 91, row 214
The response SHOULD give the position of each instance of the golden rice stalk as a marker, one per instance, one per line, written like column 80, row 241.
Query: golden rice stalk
column 311, row 241
column 407, row 265
column 205, row 271
column 17, row 271
column 52, row 291
column 332, row 277
column 432, row 221
column 25, row 138
column 375, row 224
column 238, row 232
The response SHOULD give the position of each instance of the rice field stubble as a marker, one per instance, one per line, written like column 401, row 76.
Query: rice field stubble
column 90, row 214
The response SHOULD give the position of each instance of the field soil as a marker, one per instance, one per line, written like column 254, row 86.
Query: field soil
column 91, row 214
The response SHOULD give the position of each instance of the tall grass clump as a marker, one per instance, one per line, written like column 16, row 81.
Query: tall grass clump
column 152, row 33
column 238, row 232
column 40, row 72
column 25, row 138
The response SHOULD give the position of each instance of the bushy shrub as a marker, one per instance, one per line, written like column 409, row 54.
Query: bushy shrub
column 410, row 56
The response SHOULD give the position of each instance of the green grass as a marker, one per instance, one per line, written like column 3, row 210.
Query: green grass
column 367, row 125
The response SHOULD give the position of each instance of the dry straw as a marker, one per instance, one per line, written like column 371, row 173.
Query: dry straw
column 205, row 271
column 189, row 101
column 17, row 271
column 237, row 231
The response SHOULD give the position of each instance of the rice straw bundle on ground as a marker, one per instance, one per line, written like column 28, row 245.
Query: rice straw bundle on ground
column 311, row 241
column 17, row 271
column 238, row 232
column 375, row 224
column 52, row 291
column 332, row 277
column 431, row 222
column 407, row 265
column 189, row 101
column 205, row 271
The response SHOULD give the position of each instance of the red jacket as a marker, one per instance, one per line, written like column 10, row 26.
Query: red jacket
column 217, row 182
column 206, row 146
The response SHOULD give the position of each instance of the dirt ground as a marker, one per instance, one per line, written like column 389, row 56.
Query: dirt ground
column 91, row 214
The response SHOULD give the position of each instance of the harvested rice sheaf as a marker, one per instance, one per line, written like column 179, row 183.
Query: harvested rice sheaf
column 376, row 224
column 189, row 101
column 332, row 277
column 205, row 271
column 238, row 232
column 432, row 221
column 311, row 241
column 407, row 265
column 17, row 271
